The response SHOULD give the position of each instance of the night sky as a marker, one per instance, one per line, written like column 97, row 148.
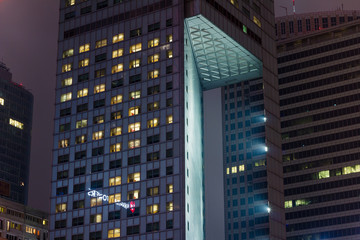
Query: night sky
column 28, row 46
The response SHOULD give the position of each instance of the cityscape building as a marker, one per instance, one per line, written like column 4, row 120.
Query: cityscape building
column 128, row 129
column 16, row 106
column 319, row 108
column 299, row 24
column 18, row 221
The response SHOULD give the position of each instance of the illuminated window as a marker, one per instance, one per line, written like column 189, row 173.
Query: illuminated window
column 99, row 88
column 98, row 119
column 153, row 43
column 152, row 191
column 82, row 93
column 16, row 124
column 133, row 195
column 153, row 58
column 84, row 48
column 115, row 147
column 81, row 123
column 66, row 82
column 134, row 127
column 63, row 143
column 324, row 174
column 169, row 206
column 96, row 218
column 302, row 202
column 288, row 204
column 69, row 3
column 114, row 233
column 98, row 135
column 134, row 143
column 153, row 106
column 2, row 101
column 134, row 111
column 115, row 198
column 228, row 171
column 115, row 131
column 134, row 95
column 114, row 181
column 241, row 168
column 117, row 68
column 351, row 169
column 66, row 67
column 68, row 53
column 134, row 177
column 260, row 163
column 117, row 53
column 169, row 38
column 134, row 63
column 118, row 38
column 169, row 54
column 152, row 209
column 84, row 63
column 169, row 188
column 80, row 139
column 95, row 202
column 235, row 3
column 101, row 43
column 135, row 48
column 65, row 97
column 153, row 74
column 116, row 115
column 116, row 99
column 233, row 169
column 169, row 119
column 257, row 21
column 153, row 123
column 61, row 207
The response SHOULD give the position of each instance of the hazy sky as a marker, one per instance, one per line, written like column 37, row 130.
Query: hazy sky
column 28, row 43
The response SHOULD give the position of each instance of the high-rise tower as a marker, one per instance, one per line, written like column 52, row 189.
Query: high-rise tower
column 16, row 105
column 128, row 147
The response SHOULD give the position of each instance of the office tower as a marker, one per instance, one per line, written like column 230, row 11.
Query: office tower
column 18, row 221
column 16, row 104
column 297, row 25
column 127, row 158
column 319, row 103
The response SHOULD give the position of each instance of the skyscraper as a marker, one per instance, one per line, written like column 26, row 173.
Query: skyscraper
column 128, row 147
column 16, row 105
column 319, row 103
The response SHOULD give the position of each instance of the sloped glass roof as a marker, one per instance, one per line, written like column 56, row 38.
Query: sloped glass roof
column 220, row 60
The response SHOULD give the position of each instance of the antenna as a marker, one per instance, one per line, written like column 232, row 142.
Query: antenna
column 294, row 6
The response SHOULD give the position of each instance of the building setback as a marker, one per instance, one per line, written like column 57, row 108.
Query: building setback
column 128, row 137
column 319, row 103
column 16, row 106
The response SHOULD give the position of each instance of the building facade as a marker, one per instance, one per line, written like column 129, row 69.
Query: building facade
column 16, row 105
column 299, row 24
column 128, row 151
column 19, row 222
column 319, row 101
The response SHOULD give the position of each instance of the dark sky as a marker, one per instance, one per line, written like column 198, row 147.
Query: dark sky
column 28, row 43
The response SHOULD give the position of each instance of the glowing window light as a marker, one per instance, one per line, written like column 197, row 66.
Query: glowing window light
column 266, row 149
column 2, row 101
column 16, row 124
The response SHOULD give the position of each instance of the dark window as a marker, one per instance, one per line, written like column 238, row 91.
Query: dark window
column 169, row 224
column 153, row 156
column 63, row 158
column 63, row 174
column 131, row 230
column 69, row 15
column 169, row 69
column 78, row 204
column 60, row 224
column 151, row 227
column 169, row 102
column 99, row 103
column 169, row 85
column 152, row 191
column 154, row 173
column 79, row 187
column 135, row 78
column 100, row 73
column 65, row 112
column 118, row 1
column 61, row 191
column 83, row 77
column 154, row 27
column 169, row 152
column 169, row 170
column 97, row 167
column 169, row 22
column 153, row 90
column 100, row 57
column 97, row 184
column 64, row 127
column 95, row 235
column 116, row 115
column 79, row 171
column 117, row 83
column 82, row 108
column 102, row 4
column 114, row 215
column 153, row 139
column 78, row 221
column 135, row 32
column 85, row 10
column 169, row 136
column 97, row 151
column 115, row 164
column 134, row 160
column 80, row 155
